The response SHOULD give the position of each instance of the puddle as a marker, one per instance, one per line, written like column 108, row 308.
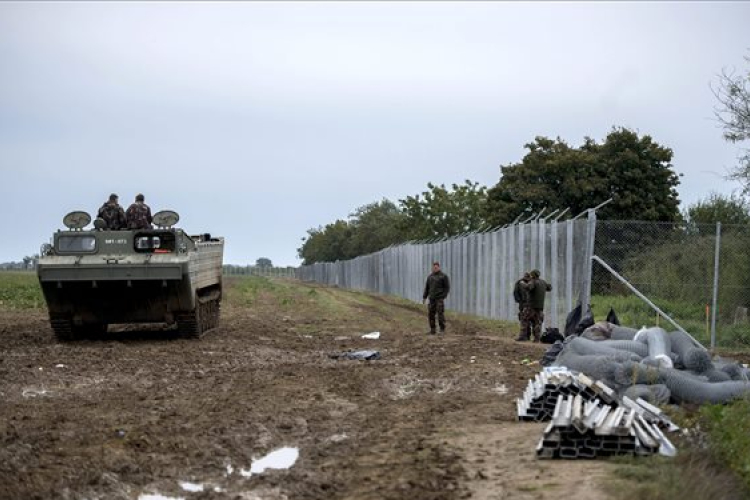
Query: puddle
column 283, row 458
column 191, row 487
column 372, row 336
column 230, row 469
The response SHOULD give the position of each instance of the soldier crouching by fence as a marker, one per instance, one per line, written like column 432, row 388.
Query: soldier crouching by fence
column 521, row 296
column 436, row 289
column 533, row 315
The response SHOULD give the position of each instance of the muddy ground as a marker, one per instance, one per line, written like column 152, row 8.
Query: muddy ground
column 139, row 411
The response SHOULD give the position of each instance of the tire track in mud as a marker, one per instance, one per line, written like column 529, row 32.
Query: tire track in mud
column 136, row 414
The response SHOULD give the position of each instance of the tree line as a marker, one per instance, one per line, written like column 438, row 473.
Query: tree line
column 632, row 170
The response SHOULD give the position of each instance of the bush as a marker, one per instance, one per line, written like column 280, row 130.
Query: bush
column 728, row 428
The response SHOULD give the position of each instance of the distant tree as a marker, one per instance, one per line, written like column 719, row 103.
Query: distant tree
column 733, row 113
column 551, row 176
column 445, row 212
column 433, row 213
column 635, row 171
column 327, row 244
column 263, row 262
column 27, row 260
column 719, row 208
column 376, row 226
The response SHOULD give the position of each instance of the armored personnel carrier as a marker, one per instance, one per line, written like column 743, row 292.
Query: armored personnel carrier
column 97, row 277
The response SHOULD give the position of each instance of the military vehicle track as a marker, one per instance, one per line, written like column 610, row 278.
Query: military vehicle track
column 196, row 323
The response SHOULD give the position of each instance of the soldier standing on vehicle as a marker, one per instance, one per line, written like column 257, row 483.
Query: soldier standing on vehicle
column 436, row 289
column 139, row 214
column 521, row 296
column 537, row 289
column 112, row 214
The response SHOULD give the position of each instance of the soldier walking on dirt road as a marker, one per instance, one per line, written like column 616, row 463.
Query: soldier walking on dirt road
column 537, row 289
column 436, row 289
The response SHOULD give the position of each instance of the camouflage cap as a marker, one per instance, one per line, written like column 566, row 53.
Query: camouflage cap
column 535, row 273
column 113, row 197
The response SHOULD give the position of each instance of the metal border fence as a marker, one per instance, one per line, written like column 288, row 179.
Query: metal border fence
column 483, row 267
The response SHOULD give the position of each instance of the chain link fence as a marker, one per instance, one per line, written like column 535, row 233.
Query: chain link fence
column 265, row 271
column 695, row 273
column 483, row 268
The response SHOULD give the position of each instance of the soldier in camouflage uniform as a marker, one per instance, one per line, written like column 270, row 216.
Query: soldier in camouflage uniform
column 436, row 289
column 521, row 296
column 139, row 214
column 537, row 289
column 112, row 214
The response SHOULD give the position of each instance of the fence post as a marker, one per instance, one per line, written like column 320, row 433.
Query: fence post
column 716, row 285
column 553, row 274
column 493, row 275
column 569, row 226
column 590, row 236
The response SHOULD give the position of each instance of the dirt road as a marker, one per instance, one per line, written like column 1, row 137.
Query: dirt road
column 141, row 413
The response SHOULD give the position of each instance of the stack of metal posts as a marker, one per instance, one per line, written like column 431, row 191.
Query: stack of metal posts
column 588, row 420
column 540, row 398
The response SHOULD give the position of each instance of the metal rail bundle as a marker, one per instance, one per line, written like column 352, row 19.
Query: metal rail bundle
column 589, row 420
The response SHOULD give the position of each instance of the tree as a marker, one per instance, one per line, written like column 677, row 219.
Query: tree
column 326, row 244
column 719, row 208
column 376, row 226
column 552, row 175
column 440, row 212
column 370, row 228
column 634, row 171
column 733, row 113
column 263, row 262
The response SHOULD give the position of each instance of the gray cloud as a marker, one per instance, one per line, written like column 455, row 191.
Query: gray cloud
column 259, row 120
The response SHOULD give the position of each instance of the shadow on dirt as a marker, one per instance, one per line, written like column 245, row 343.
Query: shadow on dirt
column 138, row 333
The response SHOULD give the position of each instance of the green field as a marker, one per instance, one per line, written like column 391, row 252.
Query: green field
column 20, row 290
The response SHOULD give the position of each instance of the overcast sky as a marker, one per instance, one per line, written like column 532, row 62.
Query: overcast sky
column 257, row 121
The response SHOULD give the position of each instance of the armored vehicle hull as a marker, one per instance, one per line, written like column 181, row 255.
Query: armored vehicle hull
column 91, row 279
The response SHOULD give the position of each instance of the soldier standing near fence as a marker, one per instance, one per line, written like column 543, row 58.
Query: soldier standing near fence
column 537, row 289
column 521, row 296
column 436, row 289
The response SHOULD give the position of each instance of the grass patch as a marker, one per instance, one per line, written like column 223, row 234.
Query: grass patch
column 634, row 312
column 20, row 290
column 252, row 290
column 692, row 475
column 283, row 295
column 728, row 428
column 714, row 463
